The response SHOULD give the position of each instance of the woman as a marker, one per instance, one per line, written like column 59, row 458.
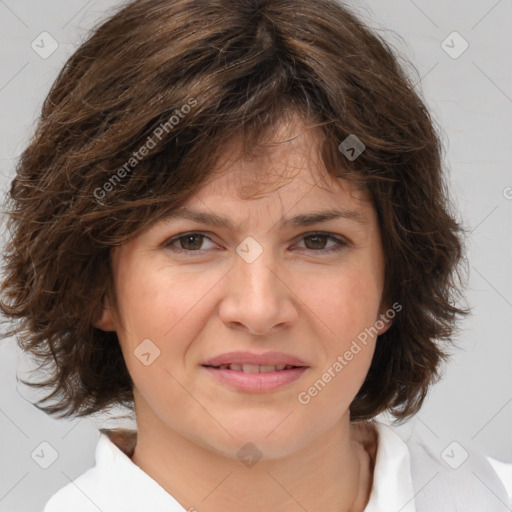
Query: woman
column 233, row 218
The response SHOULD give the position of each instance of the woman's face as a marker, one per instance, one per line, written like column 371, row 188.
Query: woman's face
column 263, row 278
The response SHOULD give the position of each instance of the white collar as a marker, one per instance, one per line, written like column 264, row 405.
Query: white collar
column 392, row 482
column 116, row 484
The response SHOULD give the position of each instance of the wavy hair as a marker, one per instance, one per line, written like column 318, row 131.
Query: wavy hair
column 133, row 126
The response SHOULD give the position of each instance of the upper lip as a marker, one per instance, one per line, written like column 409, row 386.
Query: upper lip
column 265, row 359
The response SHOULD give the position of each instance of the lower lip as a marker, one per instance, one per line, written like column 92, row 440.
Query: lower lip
column 257, row 382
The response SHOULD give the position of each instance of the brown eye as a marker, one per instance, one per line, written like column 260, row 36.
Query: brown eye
column 190, row 242
column 318, row 242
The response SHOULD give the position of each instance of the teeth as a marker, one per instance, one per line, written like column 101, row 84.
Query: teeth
column 250, row 368
column 254, row 368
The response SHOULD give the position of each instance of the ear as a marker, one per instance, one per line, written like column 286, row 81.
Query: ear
column 385, row 319
column 103, row 316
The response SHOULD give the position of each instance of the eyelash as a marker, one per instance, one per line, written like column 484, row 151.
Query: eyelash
column 339, row 243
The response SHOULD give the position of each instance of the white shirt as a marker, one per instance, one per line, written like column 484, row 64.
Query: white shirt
column 408, row 477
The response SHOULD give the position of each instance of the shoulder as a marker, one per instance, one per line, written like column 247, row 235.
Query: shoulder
column 114, row 484
column 88, row 491
column 454, row 475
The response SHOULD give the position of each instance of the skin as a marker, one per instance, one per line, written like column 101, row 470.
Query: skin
column 292, row 298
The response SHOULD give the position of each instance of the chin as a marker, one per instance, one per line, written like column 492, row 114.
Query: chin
column 264, row 433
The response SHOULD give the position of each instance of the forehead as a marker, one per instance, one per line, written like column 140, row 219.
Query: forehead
column 288, row 168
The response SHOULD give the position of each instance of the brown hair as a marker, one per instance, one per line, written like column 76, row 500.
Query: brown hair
column 181, row 78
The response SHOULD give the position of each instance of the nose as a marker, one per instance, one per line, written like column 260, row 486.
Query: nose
column 258, row 298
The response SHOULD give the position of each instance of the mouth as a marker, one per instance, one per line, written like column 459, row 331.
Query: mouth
column 254, row 368
column 255, row 373
column 250, row 361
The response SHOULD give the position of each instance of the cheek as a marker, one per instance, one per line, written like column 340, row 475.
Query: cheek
column 345, row 301
column 167, row 307
column 158, row 304
column 155, row 300
column 348, row 307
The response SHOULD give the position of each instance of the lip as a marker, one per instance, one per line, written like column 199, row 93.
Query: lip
column 265, row 358
column 256, row 382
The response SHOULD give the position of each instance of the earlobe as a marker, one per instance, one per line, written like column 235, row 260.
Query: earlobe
column 103, row 317
column 383, row 322
column 387, row 324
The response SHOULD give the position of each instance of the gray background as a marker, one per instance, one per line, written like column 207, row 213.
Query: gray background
column 471, row 98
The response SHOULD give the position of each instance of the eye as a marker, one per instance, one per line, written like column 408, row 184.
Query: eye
column 316, row 242
column 189, row 242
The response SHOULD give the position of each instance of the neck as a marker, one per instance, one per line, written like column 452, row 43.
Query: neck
column 333, row 474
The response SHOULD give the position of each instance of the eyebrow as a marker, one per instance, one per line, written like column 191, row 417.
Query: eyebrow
column 304, row 219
